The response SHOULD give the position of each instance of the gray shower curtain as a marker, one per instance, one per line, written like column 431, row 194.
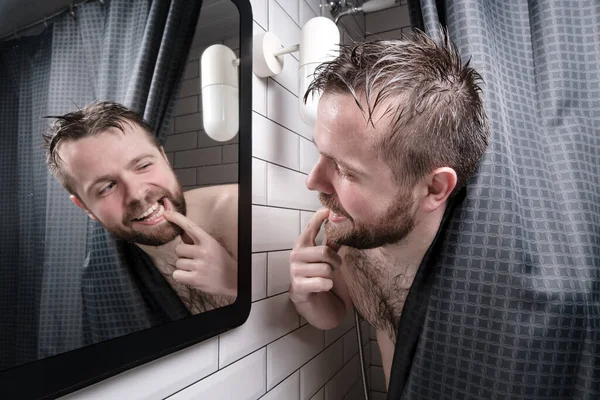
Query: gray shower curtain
column 132, row 52
column 506, row 303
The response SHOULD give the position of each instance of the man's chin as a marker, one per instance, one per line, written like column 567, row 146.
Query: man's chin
column 363, row 239
column 151, row 241
column 166, row 235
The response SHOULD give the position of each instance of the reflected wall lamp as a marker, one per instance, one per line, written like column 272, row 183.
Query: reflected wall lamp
column 220, row 94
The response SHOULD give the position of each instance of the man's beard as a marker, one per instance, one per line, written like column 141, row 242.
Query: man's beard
column 392, row 227
column 150, row 235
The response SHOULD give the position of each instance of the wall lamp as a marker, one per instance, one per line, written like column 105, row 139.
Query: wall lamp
column 220, row 94
column 319, row 41
column 219, row 65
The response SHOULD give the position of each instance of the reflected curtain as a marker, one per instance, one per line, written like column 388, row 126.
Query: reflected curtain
column 133, row 52
column 509, row 307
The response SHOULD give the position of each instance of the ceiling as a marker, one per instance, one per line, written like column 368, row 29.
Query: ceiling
column 219, row 17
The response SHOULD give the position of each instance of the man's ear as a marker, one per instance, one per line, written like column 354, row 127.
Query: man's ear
column 440, row 184
column 80, row 204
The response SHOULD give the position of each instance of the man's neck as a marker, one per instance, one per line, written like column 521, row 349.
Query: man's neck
column 412, row 249
column 163, row 255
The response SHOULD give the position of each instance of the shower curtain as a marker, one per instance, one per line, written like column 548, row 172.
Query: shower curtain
column 133, row 52
column 507, row 302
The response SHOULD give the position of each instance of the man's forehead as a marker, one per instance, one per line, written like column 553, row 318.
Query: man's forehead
column 130, row 132
column 92, row 156
column 342, row 123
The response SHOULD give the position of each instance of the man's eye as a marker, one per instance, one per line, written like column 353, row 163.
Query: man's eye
column 340, row 170
column 106, row 188
column 144, row 166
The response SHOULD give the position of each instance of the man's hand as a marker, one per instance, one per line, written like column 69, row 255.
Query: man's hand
column 201, row 261
column 311, row 266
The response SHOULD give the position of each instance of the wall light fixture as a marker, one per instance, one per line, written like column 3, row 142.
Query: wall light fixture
column 319, row 41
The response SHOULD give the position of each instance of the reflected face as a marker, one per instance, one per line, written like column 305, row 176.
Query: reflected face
column 368, row 207
column 125, row 182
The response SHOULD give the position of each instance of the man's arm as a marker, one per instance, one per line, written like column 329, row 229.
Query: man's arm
column 208, row 262
column 318, row 290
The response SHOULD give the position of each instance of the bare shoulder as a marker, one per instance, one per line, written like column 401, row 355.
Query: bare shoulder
column 215, row 209
column 212, row 196
column 218, row 201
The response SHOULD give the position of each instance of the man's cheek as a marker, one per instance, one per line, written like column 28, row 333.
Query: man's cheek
column 359, row 208
column 110, row 214
column 351, row 205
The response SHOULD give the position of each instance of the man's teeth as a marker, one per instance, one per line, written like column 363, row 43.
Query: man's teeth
column 151, row 210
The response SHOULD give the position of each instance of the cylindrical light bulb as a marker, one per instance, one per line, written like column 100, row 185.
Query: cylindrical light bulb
column 319, row 41
column 220, row 95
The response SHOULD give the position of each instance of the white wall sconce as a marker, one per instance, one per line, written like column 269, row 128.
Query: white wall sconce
column 220, row 93
column 319, row 41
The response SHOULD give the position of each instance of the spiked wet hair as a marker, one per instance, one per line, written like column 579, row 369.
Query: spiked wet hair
column 91, row 120
column 435, row 100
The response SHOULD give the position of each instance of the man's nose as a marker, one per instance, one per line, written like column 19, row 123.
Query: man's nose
column 135, row 191
column 318, row 179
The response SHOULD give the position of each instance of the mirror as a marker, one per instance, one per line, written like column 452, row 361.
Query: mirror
column 125, row 231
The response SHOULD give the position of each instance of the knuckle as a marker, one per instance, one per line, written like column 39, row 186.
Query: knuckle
column 297, row 286
column 326, row 270
column 295, row 270
column 304, row 287
column 323, row 251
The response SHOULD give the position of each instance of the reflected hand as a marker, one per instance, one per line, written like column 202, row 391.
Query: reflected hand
column 311, row 266
column 201, row 261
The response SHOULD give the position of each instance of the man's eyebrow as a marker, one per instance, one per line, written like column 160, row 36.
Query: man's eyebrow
column 337, row 160
column 342, row 163
column 108, row 177
column 136, row 160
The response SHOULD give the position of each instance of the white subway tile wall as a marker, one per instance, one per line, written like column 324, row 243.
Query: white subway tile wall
column 275, row 355
column 197, row 159
column 388, row 24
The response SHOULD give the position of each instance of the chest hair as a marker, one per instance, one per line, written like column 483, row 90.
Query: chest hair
column 378, row 287
column 194, row 300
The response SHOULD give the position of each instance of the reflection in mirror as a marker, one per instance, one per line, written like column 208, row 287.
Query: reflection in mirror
column 119, row 213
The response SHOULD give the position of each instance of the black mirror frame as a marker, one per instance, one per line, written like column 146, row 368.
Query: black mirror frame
column 64, row 373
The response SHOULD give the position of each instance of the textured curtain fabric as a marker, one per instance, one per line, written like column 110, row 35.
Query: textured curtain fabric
column 507, row 303
column 133, row 52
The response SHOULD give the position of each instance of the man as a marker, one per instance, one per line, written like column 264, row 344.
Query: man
column 400, row 130
column 116, row 171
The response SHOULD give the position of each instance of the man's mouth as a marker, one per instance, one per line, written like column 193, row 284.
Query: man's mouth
column 153, row 213
column 333, row 217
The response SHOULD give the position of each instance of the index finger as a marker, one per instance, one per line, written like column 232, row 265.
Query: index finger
column 188, row 226
column 307, row 238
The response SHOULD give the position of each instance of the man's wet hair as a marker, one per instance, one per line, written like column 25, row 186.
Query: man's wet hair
column 433, row 97
column 91, row 120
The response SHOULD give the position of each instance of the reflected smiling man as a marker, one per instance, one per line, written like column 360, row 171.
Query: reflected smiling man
column 115, row 170
column 400, row 130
